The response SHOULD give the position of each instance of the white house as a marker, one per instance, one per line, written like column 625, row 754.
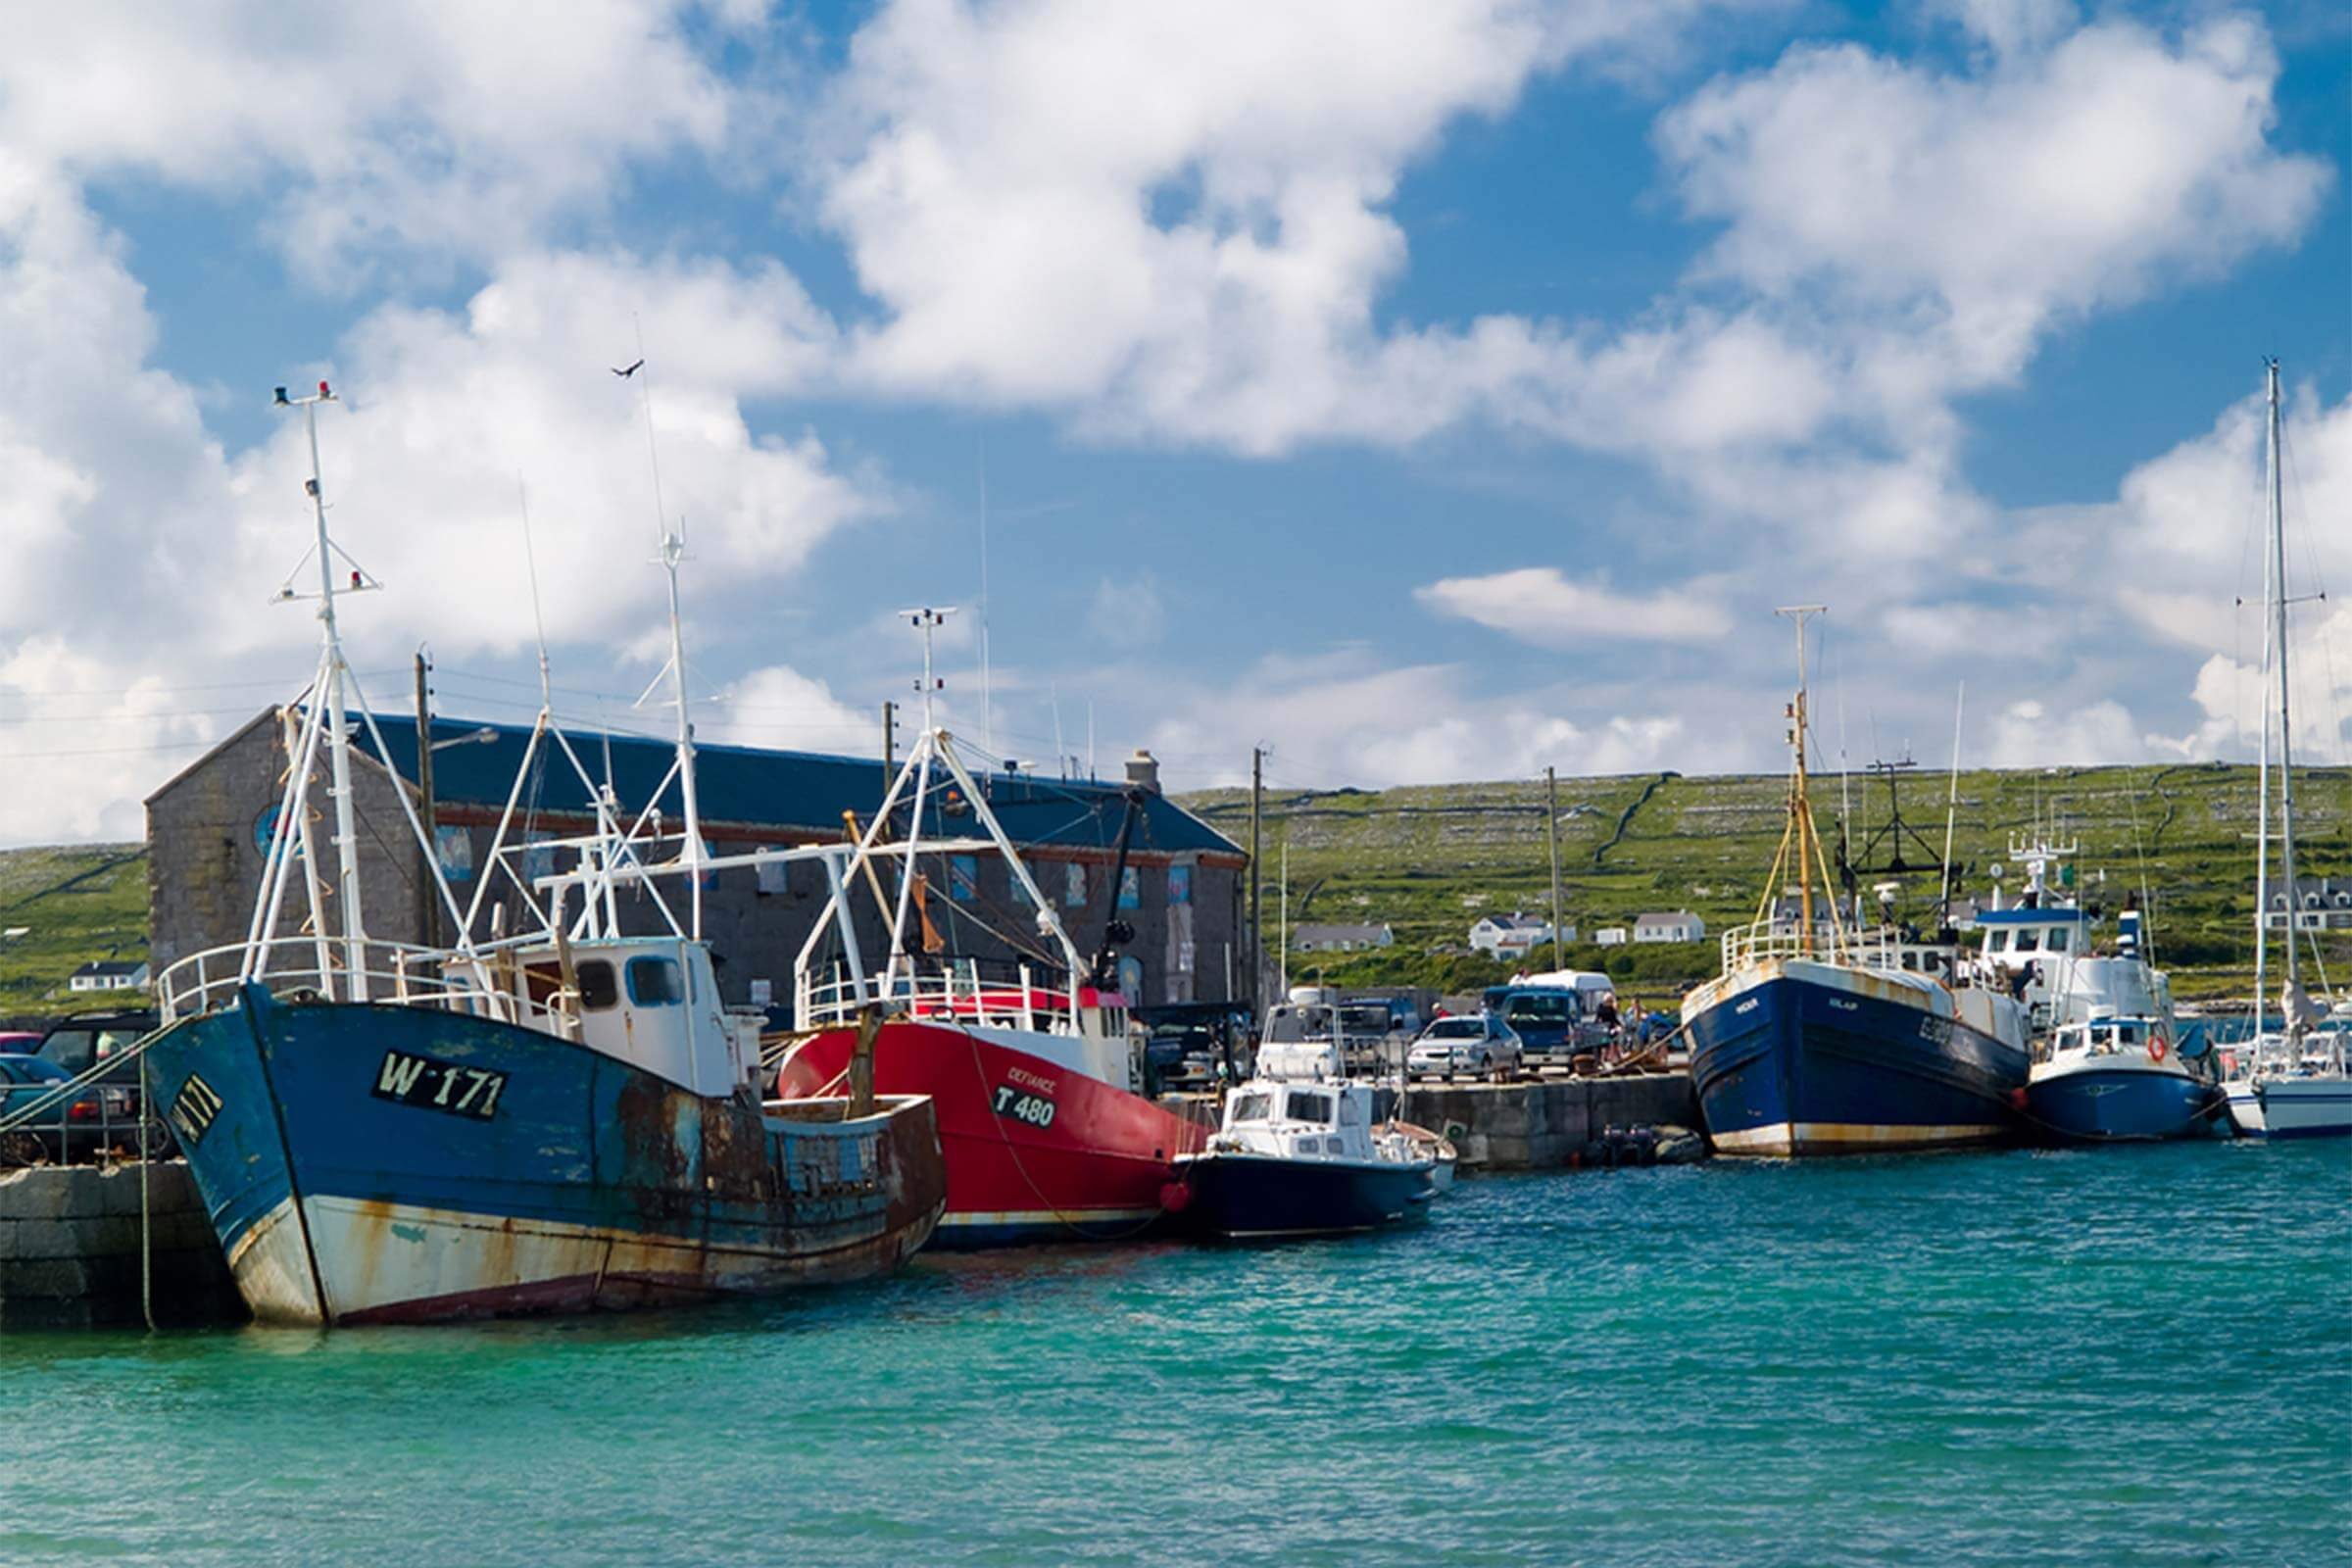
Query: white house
column 2322, row 904
column 1340, row 938
column 1610, row 936
column 1680, row 926
column 110, row 975
column 1514, row 934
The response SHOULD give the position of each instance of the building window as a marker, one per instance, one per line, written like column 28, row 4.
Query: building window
column 538, row 862
column 1073, row 885
column 964, row 877
column 773, row 874
column 1180, row 884
column 453, row 846
column 1131, row 889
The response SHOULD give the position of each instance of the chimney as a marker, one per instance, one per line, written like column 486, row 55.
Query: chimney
column 1143, row 771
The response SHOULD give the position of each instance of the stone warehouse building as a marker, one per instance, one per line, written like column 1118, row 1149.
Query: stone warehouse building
column 208, row 828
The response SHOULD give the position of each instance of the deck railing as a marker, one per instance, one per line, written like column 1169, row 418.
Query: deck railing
column 1022, row 1002
column 489, row 985
column 1762, row 940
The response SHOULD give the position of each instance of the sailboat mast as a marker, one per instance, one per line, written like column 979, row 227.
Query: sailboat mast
column 2287, row 755
column 338, row 732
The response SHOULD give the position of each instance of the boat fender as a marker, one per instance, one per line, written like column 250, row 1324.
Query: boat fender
column 1175, row 1197
column 2017, row 1100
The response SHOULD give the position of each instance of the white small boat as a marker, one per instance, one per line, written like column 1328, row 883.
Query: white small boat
column 1296, row 1159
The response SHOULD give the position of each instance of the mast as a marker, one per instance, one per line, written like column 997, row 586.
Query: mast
column 673, row 549
column 338, row 732
column 1800, row 804
column 2286, row 761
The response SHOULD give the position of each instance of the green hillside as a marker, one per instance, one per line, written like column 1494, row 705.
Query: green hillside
column 77, row 903
column 1429, row 861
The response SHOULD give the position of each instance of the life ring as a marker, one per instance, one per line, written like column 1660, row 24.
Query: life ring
column 2156, row 1048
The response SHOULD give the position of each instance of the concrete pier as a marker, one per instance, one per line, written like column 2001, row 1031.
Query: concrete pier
column 1543, row 1125
column 70, row 1243
column 1540, row 1124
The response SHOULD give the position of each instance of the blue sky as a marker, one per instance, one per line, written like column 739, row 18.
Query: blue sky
column 1423, row 391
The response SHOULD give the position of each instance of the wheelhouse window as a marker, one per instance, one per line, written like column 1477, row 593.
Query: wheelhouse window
column 2000, row 943
column 599, row 989
column 656, row 982
column 2058, row 939
column 1250, row 1108
column 1307, row 1107
column 2028, row 941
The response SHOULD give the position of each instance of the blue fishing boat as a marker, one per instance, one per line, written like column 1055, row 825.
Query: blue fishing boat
column 1817, row 1038
column 563, row 1119
column 1296, row 1159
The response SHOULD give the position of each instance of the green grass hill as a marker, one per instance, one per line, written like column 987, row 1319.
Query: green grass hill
column 75, row 904
column 1429, row 861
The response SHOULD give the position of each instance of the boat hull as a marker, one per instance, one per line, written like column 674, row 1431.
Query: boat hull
column 547, row 1178
column 1245, row 1197
column 2291, row 1107
column 1093, row 1166
column 2119, row 1104
column 1789, row 1065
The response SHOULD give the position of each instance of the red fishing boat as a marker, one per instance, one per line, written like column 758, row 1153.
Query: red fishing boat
column 1036, row 1080
column 1045, row 1136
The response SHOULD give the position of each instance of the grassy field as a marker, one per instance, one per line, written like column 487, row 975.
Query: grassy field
column 1430, row 860
column 76, row 904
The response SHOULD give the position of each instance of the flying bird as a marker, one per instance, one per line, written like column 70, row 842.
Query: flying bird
column 631, row 371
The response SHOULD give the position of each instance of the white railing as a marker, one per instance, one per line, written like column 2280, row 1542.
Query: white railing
column 490, row 984
column 1763, row 939
column 1021, row 1003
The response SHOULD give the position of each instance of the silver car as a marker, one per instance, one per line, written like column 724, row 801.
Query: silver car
column 1478, row 1043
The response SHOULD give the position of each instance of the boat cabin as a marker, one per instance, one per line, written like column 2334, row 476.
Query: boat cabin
column 1298, row 1120
column 652, row 1003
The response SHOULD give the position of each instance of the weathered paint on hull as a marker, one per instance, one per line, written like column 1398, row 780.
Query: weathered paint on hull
column 591, row 1184
column 1790, row 1067
column 1092, row 1173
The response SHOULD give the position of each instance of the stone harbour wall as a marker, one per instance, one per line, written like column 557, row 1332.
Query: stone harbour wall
column 69, row 1249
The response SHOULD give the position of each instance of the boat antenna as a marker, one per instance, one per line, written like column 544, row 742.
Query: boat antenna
column 338, row 734
column 1061, row 756
column 1951, row 810
column 530, row 565
column 988, row 724
column 672, row 551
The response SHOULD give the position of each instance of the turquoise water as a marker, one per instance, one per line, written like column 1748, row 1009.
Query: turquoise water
column 2114, row 1357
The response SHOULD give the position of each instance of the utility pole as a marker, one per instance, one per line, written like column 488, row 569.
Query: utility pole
column 425, row 794
column 1551, row 832
column 1258, row 791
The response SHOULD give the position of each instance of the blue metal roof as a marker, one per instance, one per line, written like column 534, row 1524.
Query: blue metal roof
column 803, row 790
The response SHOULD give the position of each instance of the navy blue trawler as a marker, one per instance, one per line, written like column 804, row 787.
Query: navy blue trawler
column 1818, row 1039
column 563, row 1119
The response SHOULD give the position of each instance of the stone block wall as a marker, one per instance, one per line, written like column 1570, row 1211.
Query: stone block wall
column 70, row 1244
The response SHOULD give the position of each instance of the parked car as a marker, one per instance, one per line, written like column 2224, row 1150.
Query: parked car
column 1554, row 1023
column 61, row 1131
column 1479, row 1043
column 18, row 1043
column 75, row 1044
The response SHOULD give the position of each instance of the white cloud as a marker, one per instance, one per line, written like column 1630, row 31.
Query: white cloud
column 1966, row 213
column 1542, row 606
column 779, row 706
column 1127, row 611
column 432, row 128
